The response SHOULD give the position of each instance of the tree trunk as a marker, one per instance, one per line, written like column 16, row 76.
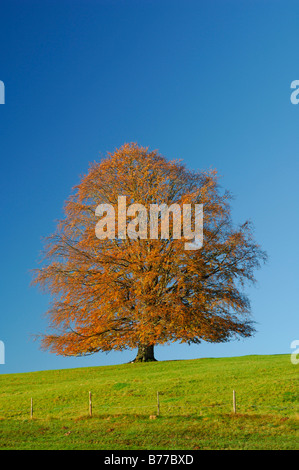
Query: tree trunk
column 145, row 353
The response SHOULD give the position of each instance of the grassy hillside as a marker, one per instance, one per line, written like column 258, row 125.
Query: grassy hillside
column 195, row 406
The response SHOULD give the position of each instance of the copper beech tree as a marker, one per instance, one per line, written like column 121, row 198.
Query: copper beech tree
column 114, row 294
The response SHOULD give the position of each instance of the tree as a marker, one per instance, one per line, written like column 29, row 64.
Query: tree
column 123, row 293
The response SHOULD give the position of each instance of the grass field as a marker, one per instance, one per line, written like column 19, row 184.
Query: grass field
column 195, row 406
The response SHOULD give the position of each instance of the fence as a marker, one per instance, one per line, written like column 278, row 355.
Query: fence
column 34, row 408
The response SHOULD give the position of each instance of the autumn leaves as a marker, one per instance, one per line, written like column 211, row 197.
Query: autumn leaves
column 119, row 267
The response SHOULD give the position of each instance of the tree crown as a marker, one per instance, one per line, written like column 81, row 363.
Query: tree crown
column 120, row 293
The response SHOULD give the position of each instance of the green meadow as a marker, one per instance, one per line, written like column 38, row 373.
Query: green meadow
column 195, row 406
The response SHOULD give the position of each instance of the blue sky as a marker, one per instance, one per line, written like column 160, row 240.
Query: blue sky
column 205, row 81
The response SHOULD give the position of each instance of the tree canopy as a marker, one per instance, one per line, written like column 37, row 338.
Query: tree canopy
column 136, row 293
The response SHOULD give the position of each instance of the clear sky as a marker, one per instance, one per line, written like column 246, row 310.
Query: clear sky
column 205, row 81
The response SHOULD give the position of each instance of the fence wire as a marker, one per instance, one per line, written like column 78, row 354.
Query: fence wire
column 41, row 411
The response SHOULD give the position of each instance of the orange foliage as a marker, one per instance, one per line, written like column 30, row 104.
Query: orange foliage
column 116, row 294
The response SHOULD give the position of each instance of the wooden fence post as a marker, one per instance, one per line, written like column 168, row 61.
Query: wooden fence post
column 234, row 401
column 158, row 404
column 90, row 405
